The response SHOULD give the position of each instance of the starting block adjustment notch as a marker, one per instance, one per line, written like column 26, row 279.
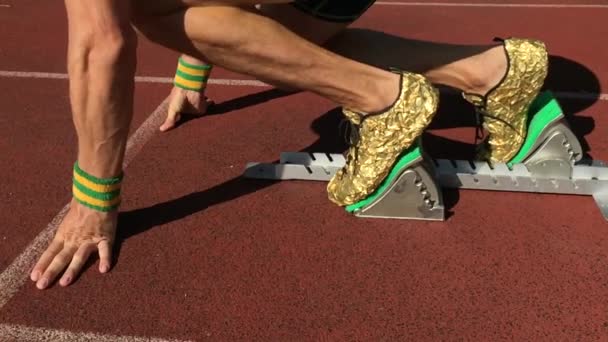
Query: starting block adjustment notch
column 412, row 194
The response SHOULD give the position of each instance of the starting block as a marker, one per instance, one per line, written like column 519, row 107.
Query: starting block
column 550, row 161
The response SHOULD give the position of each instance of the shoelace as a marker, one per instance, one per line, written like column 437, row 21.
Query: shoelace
column 480, row 113
column 350, row 133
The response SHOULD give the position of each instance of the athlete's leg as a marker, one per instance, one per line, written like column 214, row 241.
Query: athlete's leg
column 470, row 68
column 501, row 81
column 193, row 101
column 390, row 109
column 255, row 45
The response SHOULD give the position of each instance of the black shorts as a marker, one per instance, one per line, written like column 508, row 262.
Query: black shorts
column 340, row 11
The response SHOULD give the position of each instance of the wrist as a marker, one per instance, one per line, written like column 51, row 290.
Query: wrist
column 99, row 194
column 192, row 76
column 81, row 210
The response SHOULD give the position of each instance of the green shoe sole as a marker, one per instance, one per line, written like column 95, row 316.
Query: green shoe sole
column 544, row 111
column 409, row 157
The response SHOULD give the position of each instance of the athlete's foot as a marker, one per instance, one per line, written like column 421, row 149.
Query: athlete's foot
column 382, row 137
column 504, row 105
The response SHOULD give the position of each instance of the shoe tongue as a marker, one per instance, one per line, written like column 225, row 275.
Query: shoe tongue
column 353, row 117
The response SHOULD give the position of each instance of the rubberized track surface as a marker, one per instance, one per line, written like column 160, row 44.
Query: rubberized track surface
column 206, row 255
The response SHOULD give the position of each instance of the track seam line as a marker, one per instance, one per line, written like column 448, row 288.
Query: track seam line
column 570, row 95
column 16, row 274
column 482, row 5
column 26, row 333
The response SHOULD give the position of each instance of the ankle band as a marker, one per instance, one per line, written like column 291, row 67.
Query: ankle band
column 190, row 76
column 101, row 194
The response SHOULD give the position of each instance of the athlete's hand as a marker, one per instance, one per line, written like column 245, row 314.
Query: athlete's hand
column 83, row 232
column 182, row 101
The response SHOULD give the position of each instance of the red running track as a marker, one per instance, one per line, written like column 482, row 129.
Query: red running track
column 205, row 254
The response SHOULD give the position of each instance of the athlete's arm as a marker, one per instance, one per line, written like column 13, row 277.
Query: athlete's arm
column 101, row 67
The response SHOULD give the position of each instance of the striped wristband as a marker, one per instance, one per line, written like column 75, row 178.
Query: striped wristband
column 101, row 194
column 190, row 76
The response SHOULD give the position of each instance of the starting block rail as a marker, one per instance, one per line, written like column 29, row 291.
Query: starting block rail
column 550, row 162
column 588, row 178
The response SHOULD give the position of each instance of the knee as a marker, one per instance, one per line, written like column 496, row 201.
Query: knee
column 204, row 25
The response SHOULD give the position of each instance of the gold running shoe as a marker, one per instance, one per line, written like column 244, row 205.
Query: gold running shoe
column 505, row 107
column 382, row 137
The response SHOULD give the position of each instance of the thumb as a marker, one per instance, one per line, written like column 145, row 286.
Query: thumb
column 173, row 116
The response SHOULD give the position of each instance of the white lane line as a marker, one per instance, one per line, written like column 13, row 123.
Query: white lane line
column 568, row 95
column 483, row 5
column 140, row 79
column 17, row 273
column 10, row 332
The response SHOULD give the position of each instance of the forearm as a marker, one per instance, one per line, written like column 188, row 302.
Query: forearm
column 101, row 67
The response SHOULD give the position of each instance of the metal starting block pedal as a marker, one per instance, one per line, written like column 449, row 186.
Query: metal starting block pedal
column 548, row 162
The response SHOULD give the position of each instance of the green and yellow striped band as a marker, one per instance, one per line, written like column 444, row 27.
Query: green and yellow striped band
column 191, row 77
column 102, row 194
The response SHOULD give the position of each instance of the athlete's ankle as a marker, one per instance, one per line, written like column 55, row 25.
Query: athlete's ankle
column 385, row 95
column 490, row 68
column 477, row 74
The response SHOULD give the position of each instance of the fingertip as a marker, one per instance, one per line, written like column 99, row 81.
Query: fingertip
column 65, row 281
column 105, row 256
column 42, row 284
column 166, row 126
column 35, row 275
